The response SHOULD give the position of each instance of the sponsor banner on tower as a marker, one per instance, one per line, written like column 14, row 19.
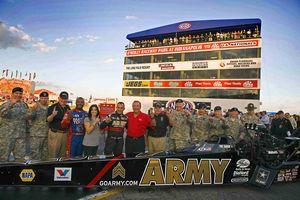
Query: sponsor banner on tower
column 195, row 65
column 194, row 47
column 237, row 84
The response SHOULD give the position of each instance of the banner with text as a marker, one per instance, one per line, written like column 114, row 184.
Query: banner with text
column 194, row 47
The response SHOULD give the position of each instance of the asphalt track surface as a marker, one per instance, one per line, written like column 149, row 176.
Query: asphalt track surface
column 282, row 191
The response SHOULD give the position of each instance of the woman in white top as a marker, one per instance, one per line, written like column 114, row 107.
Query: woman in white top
column 91, row 139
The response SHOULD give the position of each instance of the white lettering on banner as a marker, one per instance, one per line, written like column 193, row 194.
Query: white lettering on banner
column 196, row 65
column 119, row 183
column 194, row 47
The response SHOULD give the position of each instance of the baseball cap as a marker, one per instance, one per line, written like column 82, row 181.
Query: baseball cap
column 179, row 101
column 217, row 108
column 64, row 95
column 234, row 109
column 201, row 105
column 17, row 89
column 157, row 105
column 44, row 94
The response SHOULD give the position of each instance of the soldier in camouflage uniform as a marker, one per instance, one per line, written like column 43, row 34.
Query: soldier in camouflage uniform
column 200, row 125
column 180, row 120
column 217, row 122
column 39, row 129
column 250, row 118
column 13, row 126
column 234, row 126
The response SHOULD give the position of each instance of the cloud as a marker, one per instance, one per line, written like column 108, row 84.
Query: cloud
column 109, row 60
column 49, row 86
column 57, row 40
column 74, row 39
column 15, row 37
column 42, row 47
column 130, row 17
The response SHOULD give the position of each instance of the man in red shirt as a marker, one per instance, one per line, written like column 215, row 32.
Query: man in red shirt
column 136, row 130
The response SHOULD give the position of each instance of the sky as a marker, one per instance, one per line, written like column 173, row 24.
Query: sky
column 79, row 45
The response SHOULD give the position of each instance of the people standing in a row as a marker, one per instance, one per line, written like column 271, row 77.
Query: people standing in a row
column 39, row 128
column 250, row 118
column 200, row 125
column 234, row 125
column 73, row 120
column 138, row 122
column 116, row 123
column 180, row 120
column 13, row 126
column 217, row 122
column 57, row 137
column 91, row 138
column 158, row 130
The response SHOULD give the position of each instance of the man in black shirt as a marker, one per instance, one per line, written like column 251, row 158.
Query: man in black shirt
column 157, row 131
column 57, row 136
column 281, row 127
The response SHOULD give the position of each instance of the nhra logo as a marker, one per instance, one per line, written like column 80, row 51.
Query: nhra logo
column 218, row 84
column 188, row 84
column 186, row 105
column 184, row 26
column 27, row 175
column 118, row 170
column 62, row 174
column 248, row 84
column 215, row 46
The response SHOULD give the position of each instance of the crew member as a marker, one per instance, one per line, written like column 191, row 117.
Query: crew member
column 74, row 121
column 13, row 126
column 39, row 128
column 57, row 135
column 158, row 130
column 250, row 118
column 180, row 120
column 234, row 126
column 136, row 130
column 116, row 123
column 200, row 125
column 217, row 122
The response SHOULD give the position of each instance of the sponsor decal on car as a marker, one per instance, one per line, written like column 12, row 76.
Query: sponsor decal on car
column 262, row 176
column 27, row 175
column 287, row 175
column 239, row 180
column 242, row 169
column 62, row 174
column 243, row 163
column 178, row 172
column 118, row 170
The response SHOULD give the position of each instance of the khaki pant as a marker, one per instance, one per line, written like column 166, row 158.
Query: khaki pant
column 156, row 144
column 57, row 144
